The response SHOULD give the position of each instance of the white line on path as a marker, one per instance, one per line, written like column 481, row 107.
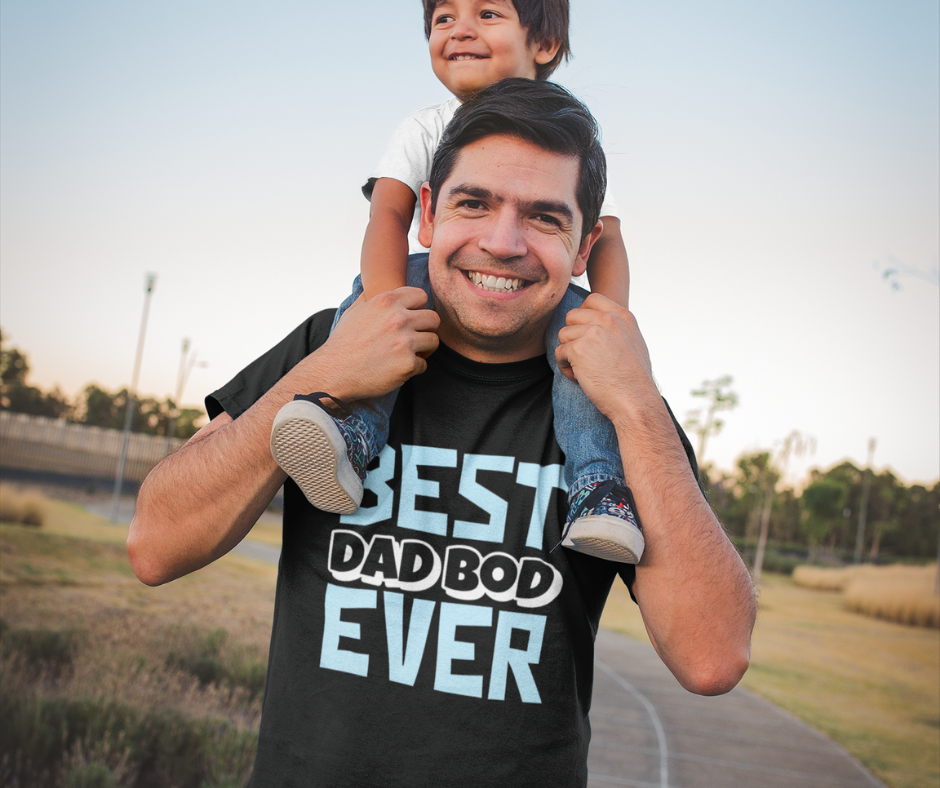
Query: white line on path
column 654, row 717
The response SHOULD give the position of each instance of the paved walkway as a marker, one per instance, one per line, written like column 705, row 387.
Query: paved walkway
column 648, row 732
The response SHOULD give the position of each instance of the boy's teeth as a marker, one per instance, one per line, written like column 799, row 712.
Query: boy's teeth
column 465, row 57
column 495, row 284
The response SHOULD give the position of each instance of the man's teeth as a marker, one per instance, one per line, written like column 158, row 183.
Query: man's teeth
column 495, row 284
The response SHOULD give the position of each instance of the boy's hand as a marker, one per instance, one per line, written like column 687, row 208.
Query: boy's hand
column 378, row 344
column 603, row 350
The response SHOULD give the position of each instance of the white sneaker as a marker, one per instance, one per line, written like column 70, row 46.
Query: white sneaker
column 323, row 455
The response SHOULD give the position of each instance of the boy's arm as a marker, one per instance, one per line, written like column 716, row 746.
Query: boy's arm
column 694, row 592
column 198, row 503
column 384, row 261
column 608, row 269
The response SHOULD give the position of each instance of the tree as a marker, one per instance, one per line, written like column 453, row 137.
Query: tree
column 718, row 399
column 823, row 506
column 18, row 396
column 794, row 443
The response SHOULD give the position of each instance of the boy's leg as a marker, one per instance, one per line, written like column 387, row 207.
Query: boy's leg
column 602, row 517
column 326, row 450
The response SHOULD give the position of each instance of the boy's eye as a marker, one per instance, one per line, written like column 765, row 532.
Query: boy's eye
column 443, row 19
column 489, row 15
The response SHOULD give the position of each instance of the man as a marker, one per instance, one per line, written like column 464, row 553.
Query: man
column 434, row 638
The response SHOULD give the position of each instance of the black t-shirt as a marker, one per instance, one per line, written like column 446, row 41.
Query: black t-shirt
column 432, row 639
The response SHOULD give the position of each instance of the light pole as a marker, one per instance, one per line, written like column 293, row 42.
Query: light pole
column 187, row 363
column 150, row 281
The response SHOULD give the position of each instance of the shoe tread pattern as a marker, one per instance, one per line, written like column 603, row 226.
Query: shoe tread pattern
column 306, row 454
column 604, row 548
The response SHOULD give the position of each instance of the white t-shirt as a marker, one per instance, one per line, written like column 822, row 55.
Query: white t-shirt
column 410, row 152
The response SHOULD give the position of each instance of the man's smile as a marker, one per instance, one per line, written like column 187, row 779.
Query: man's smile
column 496, row 284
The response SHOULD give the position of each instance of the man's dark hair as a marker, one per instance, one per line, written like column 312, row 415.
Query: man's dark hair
column 545, row 22
column 542, row 113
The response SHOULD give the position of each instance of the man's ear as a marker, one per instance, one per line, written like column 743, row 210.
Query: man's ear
column 546, row 52
column 426, row 226
column 584, row 251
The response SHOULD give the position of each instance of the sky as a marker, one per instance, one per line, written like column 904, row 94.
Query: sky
column 776, row 166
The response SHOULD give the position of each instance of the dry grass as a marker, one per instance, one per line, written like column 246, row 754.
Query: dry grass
column 871, row 685
column 25, row 507
column 906, row 594
column 908, row 597
column 178, row 664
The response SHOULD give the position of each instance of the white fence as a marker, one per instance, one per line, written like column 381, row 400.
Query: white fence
column 37, row 443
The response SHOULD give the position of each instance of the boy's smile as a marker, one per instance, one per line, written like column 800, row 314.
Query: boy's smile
column 475, row 43
column 505, row 237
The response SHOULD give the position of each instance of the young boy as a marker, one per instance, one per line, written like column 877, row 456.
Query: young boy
column 473, row 44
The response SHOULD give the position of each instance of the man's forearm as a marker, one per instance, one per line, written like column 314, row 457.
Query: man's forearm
column 201, row 501
column 198, row 503
column 693, row 589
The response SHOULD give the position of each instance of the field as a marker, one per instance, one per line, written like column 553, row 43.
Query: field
column 100, row 674
column 906, row 594
column 871, row 685
column 178, row 669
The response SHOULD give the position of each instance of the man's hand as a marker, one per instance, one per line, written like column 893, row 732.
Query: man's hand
column 379, row 344
column 602, row 349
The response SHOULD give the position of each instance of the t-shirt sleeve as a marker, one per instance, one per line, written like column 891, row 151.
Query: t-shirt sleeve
column 249, row 385
column 627, row 572
column 408, row 155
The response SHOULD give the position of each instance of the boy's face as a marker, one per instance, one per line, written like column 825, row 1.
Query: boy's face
column 475, row 43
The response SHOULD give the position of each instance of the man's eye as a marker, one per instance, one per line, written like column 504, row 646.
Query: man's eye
column 545, row 218
column 473, row 205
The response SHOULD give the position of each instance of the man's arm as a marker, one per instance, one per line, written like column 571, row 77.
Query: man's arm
column 198, row 503
column 694, row 592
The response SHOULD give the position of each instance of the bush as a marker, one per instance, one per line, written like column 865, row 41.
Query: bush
column 22, row 508
column 38, row 649
column 202, row 657
column 904, row 594
column 166, row 746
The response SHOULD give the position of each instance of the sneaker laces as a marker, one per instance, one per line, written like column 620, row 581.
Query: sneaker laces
column 339, row 408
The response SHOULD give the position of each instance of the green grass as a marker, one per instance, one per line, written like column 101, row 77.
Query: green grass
column 871, row 685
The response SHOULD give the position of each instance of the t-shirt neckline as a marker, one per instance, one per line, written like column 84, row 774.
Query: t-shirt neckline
column 508, row 372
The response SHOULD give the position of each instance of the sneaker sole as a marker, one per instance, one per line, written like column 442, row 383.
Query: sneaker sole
column 603, row 536
column 309, row 447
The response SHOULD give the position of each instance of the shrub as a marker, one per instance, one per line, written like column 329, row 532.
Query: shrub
column 903, row 594
column 822, row 578
column 169, row 748
column 38, row 649
column 23, row 508
column 201, row 656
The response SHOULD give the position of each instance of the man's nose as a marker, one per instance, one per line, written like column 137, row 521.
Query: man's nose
column 503, row 236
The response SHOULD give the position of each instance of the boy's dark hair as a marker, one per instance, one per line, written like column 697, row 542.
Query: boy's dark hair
column 545, row 22
column 542, row 113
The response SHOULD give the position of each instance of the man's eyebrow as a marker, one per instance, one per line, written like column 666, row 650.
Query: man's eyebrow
column 468, row 190
column 556, row 207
